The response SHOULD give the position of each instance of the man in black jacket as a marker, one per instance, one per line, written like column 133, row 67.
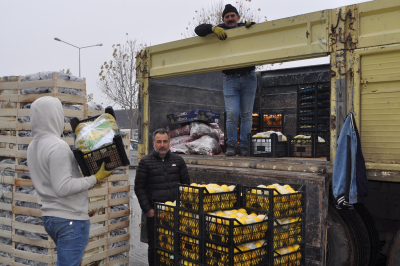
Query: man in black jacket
column 239, row 86
column 156, row 179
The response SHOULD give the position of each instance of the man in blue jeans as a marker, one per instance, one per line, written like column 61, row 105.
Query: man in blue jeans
column 62, row 191
column 239, row 86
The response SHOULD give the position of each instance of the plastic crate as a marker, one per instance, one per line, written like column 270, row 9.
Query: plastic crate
column 164, row 258
column 295, row 258
column 112, row 155
column 190, row 247
column 165, row 215
column 269, row 199
column 199, row 199
column 308, row 147
column 226, row 231
column 288, row 234
column 267, row 147
column 189, row 222
column 165, row 238
column 216, row 255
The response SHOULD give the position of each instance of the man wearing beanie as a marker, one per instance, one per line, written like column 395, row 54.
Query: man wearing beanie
column 239, row 86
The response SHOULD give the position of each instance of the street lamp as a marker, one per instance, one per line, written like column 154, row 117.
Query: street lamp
column 100, row 44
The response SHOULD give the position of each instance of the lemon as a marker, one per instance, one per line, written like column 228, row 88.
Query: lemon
column 262, row 217
column 291, row 249
column 194, row 185
column 242, row 211
column 231, row 188
column 257, row 219
column 258, row 244
column 225, row 187
column 234, row 211
column 211, row 190
column 220, row 214
column 296, row 247
column 239, row 214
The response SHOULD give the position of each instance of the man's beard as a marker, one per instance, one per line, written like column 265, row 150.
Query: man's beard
column 164, row 152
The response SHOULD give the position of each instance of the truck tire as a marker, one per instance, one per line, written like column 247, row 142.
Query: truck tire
column 372, row 231
column 350, row 241
column 340, row 245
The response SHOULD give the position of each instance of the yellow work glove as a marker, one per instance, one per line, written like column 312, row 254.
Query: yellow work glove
column 248, row 25
column 102, row 173
column 220, row 32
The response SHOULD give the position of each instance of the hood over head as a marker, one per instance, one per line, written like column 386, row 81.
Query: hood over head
column 47, row 117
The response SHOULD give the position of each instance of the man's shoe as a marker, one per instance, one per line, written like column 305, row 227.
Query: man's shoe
column 231, row 150
column 243, row 151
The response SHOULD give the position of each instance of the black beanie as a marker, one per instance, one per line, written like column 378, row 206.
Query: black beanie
column 229, row 8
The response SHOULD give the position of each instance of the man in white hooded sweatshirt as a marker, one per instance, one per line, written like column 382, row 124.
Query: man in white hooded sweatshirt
column 62, row 191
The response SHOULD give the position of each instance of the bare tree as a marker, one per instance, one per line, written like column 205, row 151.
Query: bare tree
column 118, row 78
column 213, row 15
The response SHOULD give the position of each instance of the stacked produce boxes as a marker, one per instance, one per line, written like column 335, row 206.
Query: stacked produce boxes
column 231, row 225
column 23, row 239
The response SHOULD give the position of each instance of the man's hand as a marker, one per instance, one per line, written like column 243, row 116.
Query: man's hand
column 150, row 213
column 248, row 25
column 102, row 173
column 220, row 32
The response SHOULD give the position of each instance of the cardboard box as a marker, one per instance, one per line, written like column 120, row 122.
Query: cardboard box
column 195, row 115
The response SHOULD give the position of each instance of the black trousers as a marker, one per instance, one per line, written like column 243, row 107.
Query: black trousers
column 151, row 235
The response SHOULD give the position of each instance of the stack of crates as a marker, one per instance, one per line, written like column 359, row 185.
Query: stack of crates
column 286, row 217
column 20, row 214
column 165, row 234
column 197, row 233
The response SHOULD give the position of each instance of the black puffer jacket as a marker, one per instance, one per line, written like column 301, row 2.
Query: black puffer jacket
column 156, row 179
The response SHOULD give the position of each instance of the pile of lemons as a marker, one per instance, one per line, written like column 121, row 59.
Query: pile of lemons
column 165, row 258
column 189, row 247
column 249, row 254
column 214, row 197
column 247, row 227
column 287, row 201
column 165, row 214
column 165, row 238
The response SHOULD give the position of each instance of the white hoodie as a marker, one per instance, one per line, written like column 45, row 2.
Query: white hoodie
column 61, row 189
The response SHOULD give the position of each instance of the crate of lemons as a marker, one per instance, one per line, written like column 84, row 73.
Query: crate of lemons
column 189, row 247
column 189, row 222
column 249, row 254
column 208, row 197
column 165, row 258
column 235, row 226
column 165, row 213
column 288, row 231
column 165, row 238
column 286, row 200
column 289, row 256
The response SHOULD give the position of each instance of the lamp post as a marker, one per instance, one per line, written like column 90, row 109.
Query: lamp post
column 100, row 44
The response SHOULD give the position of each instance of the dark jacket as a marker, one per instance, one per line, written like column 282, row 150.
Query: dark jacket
column 156, row 179
column 205, row 29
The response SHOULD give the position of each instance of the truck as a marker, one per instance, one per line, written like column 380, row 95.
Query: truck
column 363, row 43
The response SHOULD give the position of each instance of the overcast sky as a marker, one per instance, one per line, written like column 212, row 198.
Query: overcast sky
column 28, row 29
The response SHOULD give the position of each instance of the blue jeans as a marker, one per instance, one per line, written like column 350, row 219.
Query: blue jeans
column 70, row 237
column 239, row 93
